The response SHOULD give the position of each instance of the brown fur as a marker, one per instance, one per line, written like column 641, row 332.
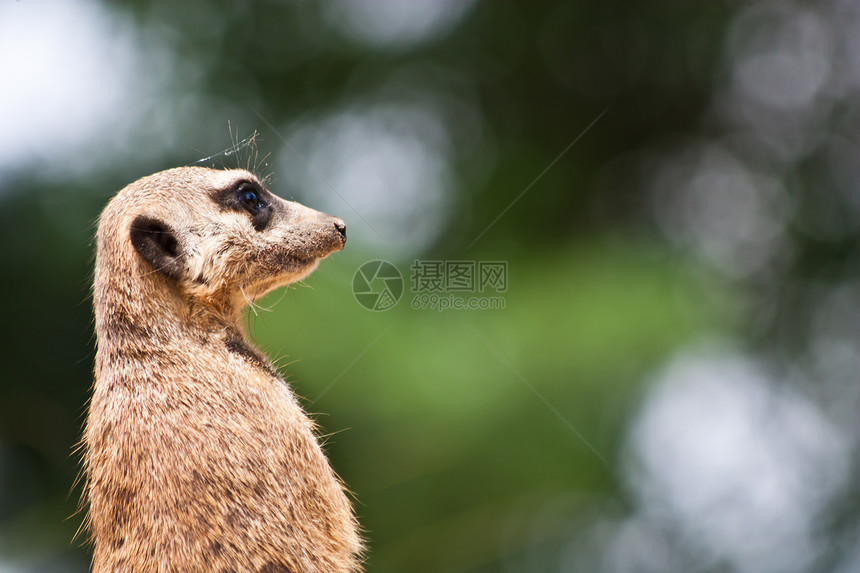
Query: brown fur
column 198, row 457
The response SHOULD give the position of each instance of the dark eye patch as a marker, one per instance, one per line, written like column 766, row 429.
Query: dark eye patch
column 250, row 197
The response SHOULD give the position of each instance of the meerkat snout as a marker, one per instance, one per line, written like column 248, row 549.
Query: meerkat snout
column 341, row 228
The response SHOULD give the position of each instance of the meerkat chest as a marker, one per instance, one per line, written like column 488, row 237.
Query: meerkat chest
column 197, row 408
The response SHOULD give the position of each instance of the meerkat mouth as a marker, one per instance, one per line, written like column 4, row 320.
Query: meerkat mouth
column 284, row 278
column 282, row 258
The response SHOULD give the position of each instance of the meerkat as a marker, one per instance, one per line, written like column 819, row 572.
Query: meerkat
column 198, row 457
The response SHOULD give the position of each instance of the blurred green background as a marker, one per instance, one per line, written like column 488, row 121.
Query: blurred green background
column 674, row 380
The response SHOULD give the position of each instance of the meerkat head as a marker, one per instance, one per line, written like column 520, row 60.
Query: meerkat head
column 219, row 236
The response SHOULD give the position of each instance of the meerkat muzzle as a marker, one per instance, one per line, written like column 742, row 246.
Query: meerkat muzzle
column 340, row 227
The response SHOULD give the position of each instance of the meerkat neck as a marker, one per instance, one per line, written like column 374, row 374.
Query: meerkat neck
column 163, row 315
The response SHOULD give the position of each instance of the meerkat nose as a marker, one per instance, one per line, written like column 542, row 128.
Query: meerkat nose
column 341, row 228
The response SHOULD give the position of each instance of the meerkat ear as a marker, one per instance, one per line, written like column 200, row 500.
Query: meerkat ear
column 157, row 244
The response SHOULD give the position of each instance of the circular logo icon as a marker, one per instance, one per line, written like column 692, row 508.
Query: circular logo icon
column 377, row 285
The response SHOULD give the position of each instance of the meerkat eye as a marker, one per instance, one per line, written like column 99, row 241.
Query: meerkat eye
column 248, row 196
